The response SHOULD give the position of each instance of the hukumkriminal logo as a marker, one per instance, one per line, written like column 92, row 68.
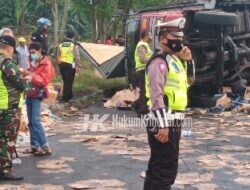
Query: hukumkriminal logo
column 116, row 123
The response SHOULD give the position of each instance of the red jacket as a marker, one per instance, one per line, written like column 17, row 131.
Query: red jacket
column 42, row 75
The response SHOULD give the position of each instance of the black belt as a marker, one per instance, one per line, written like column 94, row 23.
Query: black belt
column 177, row 111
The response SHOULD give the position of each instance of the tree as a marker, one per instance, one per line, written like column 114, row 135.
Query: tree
column 89, row 18
column 13, row 12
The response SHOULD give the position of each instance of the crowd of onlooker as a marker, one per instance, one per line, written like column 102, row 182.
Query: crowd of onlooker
column 119, row 41
column 25, row 72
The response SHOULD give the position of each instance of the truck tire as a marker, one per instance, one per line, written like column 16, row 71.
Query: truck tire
column 202, row 101
column 216, row 18
column 202, row 96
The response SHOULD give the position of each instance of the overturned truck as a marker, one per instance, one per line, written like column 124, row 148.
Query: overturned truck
column 217, row 32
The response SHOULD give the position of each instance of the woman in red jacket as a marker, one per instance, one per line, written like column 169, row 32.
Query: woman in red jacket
column 42, row 73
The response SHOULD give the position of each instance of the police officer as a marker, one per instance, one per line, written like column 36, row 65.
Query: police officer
column 11, row 100
column 142, row 55
column 41, row 35
column 68, row 59
column 166, row 90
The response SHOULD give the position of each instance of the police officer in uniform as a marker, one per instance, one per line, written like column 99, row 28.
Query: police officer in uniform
column 11, row 100
column 166, row 90
column 41, row 35
column 142, row 55
column 68, row 59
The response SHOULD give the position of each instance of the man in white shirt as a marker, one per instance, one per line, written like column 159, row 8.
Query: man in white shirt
column 23, row 54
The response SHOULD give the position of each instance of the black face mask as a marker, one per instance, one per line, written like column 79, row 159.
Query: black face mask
column 174, row 45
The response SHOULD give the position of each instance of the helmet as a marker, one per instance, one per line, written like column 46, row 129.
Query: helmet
column 43, row 21
column 21, row 39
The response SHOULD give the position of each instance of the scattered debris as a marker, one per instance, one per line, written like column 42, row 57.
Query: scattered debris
column 24, row 120
column 196, row 111
column 53, row 92
column 73, row 109
column 247, row 94
column 143, row 174
column 246, row 108
column 122, row 98
column 56, row 166
column 224, row 101
column 226, row 89
column 210, row 161
column 27, row 186
column 97, row 184
column 243, row 181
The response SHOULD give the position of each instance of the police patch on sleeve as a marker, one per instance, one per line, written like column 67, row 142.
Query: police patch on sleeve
column 162, row 66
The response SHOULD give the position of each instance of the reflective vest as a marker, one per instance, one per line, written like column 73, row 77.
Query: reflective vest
column 175, row 89
column 67, row 52
column 5, row 96
column 138, row 64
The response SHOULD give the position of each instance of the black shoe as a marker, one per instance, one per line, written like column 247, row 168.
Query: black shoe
column 11, row 177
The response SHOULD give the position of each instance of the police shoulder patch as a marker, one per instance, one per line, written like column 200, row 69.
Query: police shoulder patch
column 162, row 66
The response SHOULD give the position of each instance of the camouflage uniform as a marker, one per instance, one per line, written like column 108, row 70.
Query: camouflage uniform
column 10, row 117
column 9, row 126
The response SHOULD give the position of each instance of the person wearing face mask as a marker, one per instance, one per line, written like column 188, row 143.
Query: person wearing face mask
column 11, row 100
column 166, row 89
column 142, row 55
column 41, row 35
column 41, row 74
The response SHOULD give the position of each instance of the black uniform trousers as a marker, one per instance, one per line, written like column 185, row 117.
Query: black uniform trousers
column 141, row 104
column 163, row 162
column 68, row 75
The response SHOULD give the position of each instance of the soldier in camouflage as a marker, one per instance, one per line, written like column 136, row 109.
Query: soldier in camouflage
column 11, row 100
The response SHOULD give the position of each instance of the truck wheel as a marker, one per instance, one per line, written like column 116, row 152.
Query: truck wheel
column 216, row 18
column 202, row 101
column 200, row 97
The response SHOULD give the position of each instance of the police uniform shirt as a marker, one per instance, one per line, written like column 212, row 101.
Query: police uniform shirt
column 157, row 72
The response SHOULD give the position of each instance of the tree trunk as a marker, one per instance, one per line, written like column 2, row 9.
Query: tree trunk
column 54, row 9
column 64, row 19
column 95, row 23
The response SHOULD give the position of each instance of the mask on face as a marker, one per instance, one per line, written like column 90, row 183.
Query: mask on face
column 174, row 45
column 34, row 56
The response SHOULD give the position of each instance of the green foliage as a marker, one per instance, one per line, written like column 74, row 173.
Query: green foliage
column 147, row 3
column 88, row 81
column 81, row 16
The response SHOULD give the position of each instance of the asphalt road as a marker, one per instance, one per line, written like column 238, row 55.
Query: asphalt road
column 216, row 156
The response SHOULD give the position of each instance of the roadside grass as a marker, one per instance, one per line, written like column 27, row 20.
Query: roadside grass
column 88, row 81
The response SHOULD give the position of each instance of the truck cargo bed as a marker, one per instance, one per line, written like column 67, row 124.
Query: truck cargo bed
column 107, row 59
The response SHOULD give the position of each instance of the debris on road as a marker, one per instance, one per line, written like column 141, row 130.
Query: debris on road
column 28, row 186
column 224, row 101
column 97, row 184
column 118, row 144
column 24, row 120
column 53, row 90
column 247, row 94
column 143, row 174
column 123, row 98
column 196, row 111
column 226, row 89
column 60, row 165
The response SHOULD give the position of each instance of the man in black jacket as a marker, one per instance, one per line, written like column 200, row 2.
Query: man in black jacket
column 41, row 35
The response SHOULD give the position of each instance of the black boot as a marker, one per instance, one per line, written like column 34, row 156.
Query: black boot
column 147, row 184
column 10, row 177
